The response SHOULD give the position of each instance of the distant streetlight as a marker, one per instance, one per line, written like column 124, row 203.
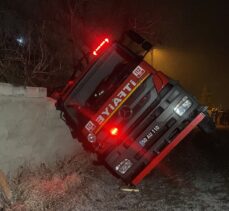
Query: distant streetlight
column 20, row 41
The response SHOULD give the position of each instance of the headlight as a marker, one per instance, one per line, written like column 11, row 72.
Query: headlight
column 123, row 166
column 183, row 106
column 91, row 137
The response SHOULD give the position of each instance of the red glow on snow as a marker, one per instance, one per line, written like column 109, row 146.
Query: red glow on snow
column 105, row 41
column 70, row 83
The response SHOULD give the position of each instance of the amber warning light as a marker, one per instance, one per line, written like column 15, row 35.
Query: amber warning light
column 105, row 41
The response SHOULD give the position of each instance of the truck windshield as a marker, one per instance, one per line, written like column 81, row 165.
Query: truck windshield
column 103, row 78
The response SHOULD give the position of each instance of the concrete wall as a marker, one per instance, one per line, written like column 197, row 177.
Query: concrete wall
column 30, row 129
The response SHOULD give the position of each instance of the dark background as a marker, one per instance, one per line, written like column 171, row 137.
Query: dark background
column 190, row 38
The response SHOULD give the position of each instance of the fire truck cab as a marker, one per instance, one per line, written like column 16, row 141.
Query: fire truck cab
column 126, row 112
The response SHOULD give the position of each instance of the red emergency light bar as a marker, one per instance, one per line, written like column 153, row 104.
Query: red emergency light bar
column 95, row 52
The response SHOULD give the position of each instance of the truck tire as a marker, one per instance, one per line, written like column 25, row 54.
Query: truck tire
column 207, row 125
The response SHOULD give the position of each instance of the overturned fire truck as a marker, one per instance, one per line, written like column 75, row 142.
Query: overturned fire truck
column 126, row 112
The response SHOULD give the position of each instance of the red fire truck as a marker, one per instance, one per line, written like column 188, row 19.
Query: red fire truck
column 126, row 112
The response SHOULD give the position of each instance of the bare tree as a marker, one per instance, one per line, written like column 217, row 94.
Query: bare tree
column 27, row 60
column 58, row 39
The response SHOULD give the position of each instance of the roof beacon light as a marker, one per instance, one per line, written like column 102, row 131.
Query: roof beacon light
column 95, row 52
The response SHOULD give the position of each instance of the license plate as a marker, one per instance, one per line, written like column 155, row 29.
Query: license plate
column 149, row 136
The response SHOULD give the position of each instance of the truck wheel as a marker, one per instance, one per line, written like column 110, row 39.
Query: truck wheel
column 207, row 125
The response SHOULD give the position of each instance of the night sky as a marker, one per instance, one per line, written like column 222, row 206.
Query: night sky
column 195, row 47
column 193, row 35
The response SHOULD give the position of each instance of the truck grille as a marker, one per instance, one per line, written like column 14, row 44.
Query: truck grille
column 151, row 127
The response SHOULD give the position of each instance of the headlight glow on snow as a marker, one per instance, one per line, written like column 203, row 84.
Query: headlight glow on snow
column 183, row 106
column 91, row 137
column 123, row 166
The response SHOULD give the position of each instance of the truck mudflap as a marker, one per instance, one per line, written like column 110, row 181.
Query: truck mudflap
column 168, row 148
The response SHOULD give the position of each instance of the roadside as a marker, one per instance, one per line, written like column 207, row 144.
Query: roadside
column 195, row 176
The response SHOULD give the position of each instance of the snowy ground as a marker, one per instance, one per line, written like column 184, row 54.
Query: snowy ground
column 195, row 176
